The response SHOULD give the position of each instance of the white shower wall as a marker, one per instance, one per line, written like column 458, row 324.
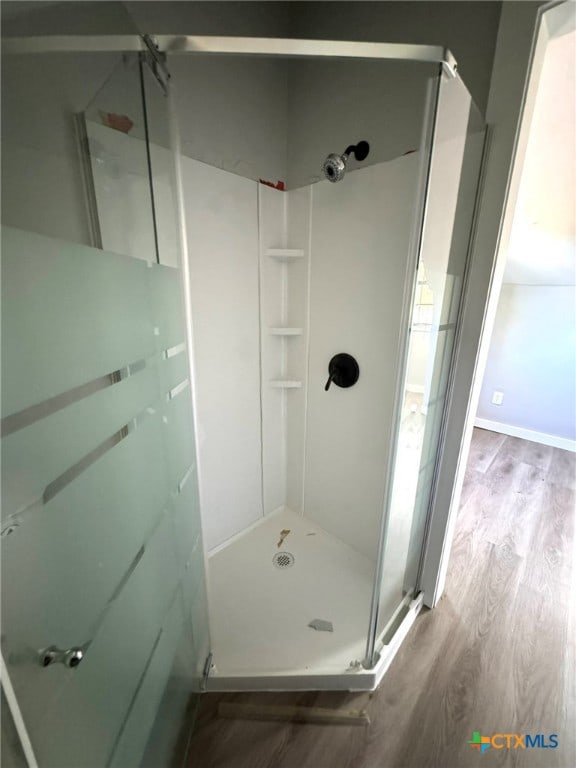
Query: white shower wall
column 285, row 222
column 273, row 291
column 222, row 230
column 261, row 448
column 250, row 434
column 299, row 218
column 361, row 232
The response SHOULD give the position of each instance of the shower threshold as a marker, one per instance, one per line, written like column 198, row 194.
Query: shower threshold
column 267, row 586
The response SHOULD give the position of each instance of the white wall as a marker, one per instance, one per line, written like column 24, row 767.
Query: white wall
column 469, row 29
column 278, row 119
column 222, row 228
column 33, row 200
column 360, row 238
column 532, row 350
column 332, row 104
column 293, row 113
column 532, row 361
column 41, row 174
column 232, row 113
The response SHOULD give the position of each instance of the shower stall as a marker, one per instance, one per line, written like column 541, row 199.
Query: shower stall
column 324, row 290
column 225, row 376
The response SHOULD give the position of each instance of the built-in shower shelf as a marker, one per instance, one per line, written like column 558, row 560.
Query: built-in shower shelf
column 285, row 384
column 285, row 254
column 286, row 331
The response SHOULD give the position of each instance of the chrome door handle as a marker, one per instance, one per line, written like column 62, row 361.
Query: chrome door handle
column 70, row 658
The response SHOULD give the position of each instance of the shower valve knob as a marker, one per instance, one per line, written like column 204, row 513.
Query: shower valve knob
column 343, row 370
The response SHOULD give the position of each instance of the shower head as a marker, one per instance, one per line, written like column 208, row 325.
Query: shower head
column 334, row 167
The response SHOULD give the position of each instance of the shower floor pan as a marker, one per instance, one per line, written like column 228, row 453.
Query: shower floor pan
column 264, row 596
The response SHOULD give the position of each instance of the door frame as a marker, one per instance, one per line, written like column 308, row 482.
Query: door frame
column 523, row 38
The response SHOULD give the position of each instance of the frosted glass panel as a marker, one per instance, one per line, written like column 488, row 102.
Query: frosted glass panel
column 32, row 459
column 132, row 739
column 166, row 306
column 179, row 436
column 186, row 524
column 94, row 527
column 99, row 693
column 100, row 533
column 101, row 526
column 70, row 315
column 175, row 370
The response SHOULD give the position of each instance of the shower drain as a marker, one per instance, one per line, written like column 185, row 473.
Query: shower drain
column 283, row 560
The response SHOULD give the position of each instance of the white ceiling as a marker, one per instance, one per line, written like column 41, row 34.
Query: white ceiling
column 543, row 241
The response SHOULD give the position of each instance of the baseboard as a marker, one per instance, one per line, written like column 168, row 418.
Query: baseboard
column 527, row 434
column 365, row 680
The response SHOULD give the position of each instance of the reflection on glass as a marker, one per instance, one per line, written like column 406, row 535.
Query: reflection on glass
column 118, row 165
column 452, row 185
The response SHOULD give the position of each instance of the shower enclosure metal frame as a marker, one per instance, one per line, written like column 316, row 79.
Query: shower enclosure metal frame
column 374, row 664
column 243, row 46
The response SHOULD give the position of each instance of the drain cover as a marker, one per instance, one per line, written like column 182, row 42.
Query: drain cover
column 283, row 560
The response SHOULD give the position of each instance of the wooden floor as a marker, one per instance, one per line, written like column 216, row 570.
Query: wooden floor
column 497, row 655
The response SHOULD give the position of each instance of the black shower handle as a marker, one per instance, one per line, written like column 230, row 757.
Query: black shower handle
column 343, row 370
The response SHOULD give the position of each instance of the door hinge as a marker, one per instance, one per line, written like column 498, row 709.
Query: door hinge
column 156, row 61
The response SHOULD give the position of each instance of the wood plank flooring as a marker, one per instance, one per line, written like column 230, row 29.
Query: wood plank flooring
column 497, row 655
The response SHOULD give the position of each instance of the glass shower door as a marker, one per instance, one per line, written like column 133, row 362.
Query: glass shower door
column 453, row 175
column 104, row 603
